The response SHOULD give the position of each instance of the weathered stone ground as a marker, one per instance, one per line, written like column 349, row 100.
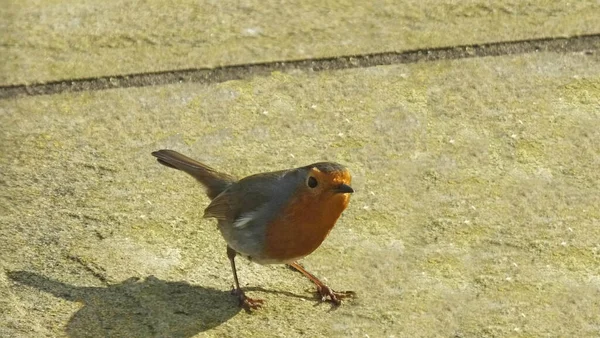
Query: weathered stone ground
column 477, row 183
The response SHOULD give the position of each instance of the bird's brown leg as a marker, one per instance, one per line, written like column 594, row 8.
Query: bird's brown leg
column 247, row 303
column 323, row 290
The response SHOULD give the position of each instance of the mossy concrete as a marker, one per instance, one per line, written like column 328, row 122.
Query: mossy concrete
column 475, row 213
column 57, row 40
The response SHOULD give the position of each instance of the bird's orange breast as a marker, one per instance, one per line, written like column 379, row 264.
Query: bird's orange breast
column 303, row 225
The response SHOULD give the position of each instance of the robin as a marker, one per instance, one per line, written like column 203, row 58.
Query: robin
column 272, row 218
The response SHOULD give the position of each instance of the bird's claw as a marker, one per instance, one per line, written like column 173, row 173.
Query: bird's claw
column 335, row 297
column 246, row 302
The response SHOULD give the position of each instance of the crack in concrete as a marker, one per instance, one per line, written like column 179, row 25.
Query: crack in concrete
column 94, row 270
column 580, row 43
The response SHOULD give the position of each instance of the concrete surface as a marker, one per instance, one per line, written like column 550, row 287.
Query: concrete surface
column 476, row 212
column 56, row 40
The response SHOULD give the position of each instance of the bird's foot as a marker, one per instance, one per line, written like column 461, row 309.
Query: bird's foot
column 246, row 302
column 335, row 297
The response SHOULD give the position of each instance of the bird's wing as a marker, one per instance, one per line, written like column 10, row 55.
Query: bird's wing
column 252, row 198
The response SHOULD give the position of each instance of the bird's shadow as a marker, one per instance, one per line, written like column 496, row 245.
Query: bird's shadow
column 138, row 308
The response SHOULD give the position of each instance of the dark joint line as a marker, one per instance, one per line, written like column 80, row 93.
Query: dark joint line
column 581, row 43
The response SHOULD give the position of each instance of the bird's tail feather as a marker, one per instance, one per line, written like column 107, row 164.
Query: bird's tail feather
column 214, row 181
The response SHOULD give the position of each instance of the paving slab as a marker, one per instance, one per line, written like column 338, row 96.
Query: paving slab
column 475, row 212
column 56, row 40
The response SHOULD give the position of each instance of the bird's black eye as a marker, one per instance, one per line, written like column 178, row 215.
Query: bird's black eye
column 312, row 182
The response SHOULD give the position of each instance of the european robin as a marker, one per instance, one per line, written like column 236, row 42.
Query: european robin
column 272, row 218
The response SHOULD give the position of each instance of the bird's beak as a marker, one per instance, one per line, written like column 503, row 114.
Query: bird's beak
column 344, row 189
